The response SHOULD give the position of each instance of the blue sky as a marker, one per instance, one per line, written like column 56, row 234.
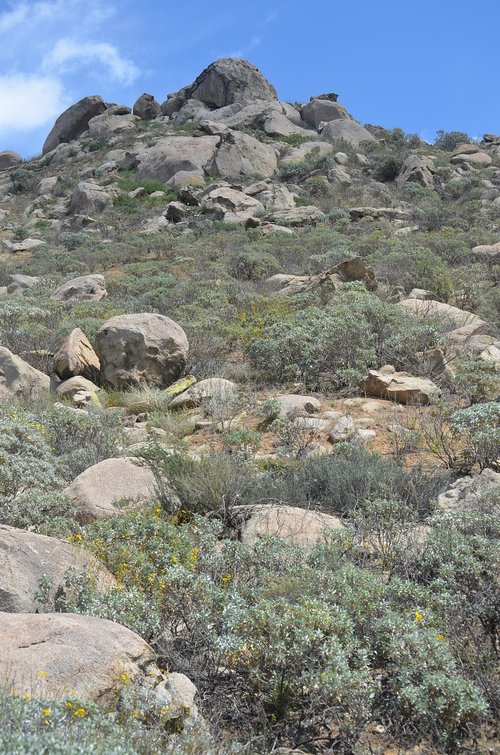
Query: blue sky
column 418, row 65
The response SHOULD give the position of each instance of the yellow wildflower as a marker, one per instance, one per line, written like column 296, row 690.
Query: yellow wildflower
column 46, row 712
column 440, row 637
column 226, row 578
column 42, row 674
column 79, row 712
column 419, row 616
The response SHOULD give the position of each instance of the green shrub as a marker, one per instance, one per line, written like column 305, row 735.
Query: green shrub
column 448, row 140
column 477, row 380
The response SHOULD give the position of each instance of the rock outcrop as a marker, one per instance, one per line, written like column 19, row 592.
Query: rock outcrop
column 20, row 380
column 399, row 386
column 84, row 288
column 9, row 159
column 77, row 357
column 74, row 121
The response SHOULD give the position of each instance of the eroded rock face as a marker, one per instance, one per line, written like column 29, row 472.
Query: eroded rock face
column 222, row 83
column 77, row 357
column 242, row 155
column 399, row 386
column 211, row 389
column 348, row 130
column 330, row 280
column 224, row 203
column 141, row 349
column 84, row 288
column 18, row 379
column 79, row 653
column 73, row 122
column 25, row 557
column 322, row 110
column 97, row 492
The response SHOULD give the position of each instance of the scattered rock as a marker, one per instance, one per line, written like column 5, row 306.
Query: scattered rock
column 471, row 155
column 331, row 280
column 399, row 386
column 298, row 526
column 84, row 288
column 292, row 405
column 109, row 487
column 26, row 557
column 27, row 245
column 488, row 253
column 172, row 154
column 417, row 169
column 349, row 131
column 73, row 385
column 231, row 206
column 73, row 652
column 141, row 349
column 73, row 122
column 242, row 155
column 379, row 213
column 109, row 125
column 448, row 317
column 211, row 389
column 298, row 216
column 19, row 282
column 18, row 379
column 77, row 357
column 89, row 199
column 467, row 493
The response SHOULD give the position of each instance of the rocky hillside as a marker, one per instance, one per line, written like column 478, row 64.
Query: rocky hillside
column 250, row 420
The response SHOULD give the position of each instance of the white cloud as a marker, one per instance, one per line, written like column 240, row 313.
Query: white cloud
column 254, row 42
column 29, row 101
column 25, row 14
column 71, row 53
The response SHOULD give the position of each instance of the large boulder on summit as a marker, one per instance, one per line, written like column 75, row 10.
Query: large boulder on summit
column 73, row 122
column 18, row 379
column 399, row 386
column 50, row 655
column 176, row 153
column 26, row 557
column 242, row 155
column 105, row 489
column 141, row 349
column 9, row 159
column 77, row 357
column 146, row 107
column 89, row 199
column 223, row 82
column 323, row 109
column 85, row 288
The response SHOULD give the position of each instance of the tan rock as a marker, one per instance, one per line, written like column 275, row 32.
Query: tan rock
column 49, row 655
column 26, row 557
column 400, row 386
column 18, row 379
column 77, row 357
column 109, row 487
column 298, row 526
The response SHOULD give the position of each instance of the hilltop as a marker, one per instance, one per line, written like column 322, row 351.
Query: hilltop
column 249, row 370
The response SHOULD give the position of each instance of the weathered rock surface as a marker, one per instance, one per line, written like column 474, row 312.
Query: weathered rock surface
column 89, row 199
column 292, row 405
column 20, row 282
column 84, row 288
column 231, row 206
column 417, row 169
column 73, row 122
column 146, row 107
column 298, row 216
column 242, row 155
column 106, row 488
column 222, row 83
column 73, row 652
column 379, row 213
column 9, row 159
column 399, row 386
column 109, row 124
column 18, row 379
column 26, row 557
column 468, row 493
column 448, row 317
column 211, row 389
column 76, row 384
column 323, row 110
column 349, row 131
column 172, row 154
column 141, row 349
column 331, row 280
column 298, row 526
column 488, row 253
column 77, row 357
column 470, row 155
